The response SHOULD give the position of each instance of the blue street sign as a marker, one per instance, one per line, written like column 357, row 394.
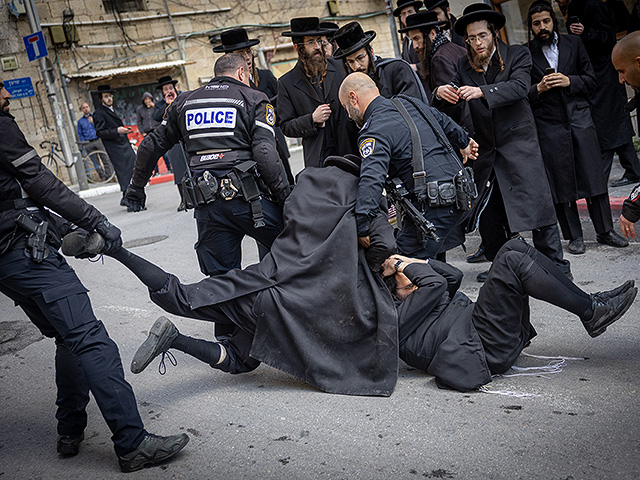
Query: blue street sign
column 36, row 46
column 20, row 87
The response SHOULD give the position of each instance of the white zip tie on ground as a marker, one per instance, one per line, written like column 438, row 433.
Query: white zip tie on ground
column 506, row 393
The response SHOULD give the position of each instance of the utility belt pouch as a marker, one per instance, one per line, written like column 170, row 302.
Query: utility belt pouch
column 189, row 193
column 206, row 188
column 466, row 190
column 433, row 194
column 447, row 193
column 246, row 174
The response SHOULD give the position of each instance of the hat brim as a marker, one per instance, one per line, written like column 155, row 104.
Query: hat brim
column 424, row 26
column 160, row 85
column 437, row 4
column 368, row 38
column 396, row 12
column 236, row 46
column 100, row 92
column 491, row 16
column 309, row 33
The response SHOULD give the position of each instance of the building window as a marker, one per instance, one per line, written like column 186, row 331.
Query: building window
column 119, row 6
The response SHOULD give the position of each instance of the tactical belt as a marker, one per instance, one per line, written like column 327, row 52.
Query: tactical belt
column 238, row 183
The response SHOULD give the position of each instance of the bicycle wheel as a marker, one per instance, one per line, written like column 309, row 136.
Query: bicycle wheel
column 98, row 167
column 50, row 162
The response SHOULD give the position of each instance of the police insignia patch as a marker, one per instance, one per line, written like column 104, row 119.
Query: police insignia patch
column 367, row 146
column 270, row 117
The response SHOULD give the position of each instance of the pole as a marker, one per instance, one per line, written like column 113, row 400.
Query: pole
column 46, row 70
column 393, row 28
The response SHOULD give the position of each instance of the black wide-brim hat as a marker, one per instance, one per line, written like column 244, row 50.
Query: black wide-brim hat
column 422, row 21
column 105, row 89
column 306, row 27
column 543, row 4
column 162, row 81
column 431, row 4
column 331, row 27
column 350, row 39
column 349, row 163
column 402, row 4
column 234, row 40
column 476, row 12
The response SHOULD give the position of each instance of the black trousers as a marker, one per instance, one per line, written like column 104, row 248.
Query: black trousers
column 53, row 298
column 599, row 212
column 628, row 159
column 494, row 230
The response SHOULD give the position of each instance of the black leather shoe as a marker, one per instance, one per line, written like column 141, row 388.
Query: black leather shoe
column 612, row 239
column 608, row 294
column 151, row 451
column 607, row 312
column 181, row 207
column 482, row 276
column 477, row 256
column 576, row 246
column 162, row 334
column 621, row 182
column 69, row 445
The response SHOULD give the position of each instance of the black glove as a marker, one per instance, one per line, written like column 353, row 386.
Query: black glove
column 134, row 198
column 111, row 235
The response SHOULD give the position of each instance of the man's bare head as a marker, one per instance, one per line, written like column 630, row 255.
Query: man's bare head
column 357, row 91
column 626, row 60
column 232, row 65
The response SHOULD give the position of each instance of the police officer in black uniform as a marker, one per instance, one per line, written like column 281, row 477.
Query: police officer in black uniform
column 39, row 280
column 228, row 134
column 385, row 145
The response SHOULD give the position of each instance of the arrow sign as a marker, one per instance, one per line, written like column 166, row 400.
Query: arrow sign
column 35, row 45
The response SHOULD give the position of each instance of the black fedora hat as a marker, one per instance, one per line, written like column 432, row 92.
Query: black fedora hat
column 402, row 4
column 476, row 12
column 105, row 89
column 422, row 21
column 350, row 39
column 305, row 27
column 349, row 163
column 432, row 4
column 332, row 27
column 234, row 40
column 162, row 81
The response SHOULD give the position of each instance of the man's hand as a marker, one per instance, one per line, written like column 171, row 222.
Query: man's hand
column 576, row 28
column 627, row 227
column 448, row 93
column 470, row 151
column 554, row 80
column 321, row 114
column 111, row 234
column 364, row 242
column 124, row 130
column 134, row 198
column 467, row 93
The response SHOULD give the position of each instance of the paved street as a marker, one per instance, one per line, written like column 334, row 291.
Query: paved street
column 578, row 423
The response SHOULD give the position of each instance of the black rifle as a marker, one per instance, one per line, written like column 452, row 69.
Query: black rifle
column 399, row 196
column 37, row 241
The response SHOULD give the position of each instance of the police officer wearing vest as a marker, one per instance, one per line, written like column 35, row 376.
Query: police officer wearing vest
column 35, row 276
column 228, row 134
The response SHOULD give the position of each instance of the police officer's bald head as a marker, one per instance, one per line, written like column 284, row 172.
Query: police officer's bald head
column 357, row 91
column 626, row 60
column 232, row 65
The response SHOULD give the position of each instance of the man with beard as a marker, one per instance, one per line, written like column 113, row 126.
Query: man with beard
column 514, row 191
column 237, row 41
column 387, row 148
column 438, row 61
column 612, row 121
column 392, row 76
column 441, row 8
column 562, row 82
column 626, row 60
column 403, row 10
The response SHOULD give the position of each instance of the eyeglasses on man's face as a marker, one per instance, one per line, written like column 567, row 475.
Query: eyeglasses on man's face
column 474, row 38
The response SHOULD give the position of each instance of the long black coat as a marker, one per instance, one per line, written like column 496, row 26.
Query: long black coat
column 297, row 99
column 506, row 132
column 613, row 123
column 568, row 137
column 116, row 144
column 322, row 315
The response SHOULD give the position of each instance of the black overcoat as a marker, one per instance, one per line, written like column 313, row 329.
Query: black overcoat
column 506, row 132
column 116, row 144
column 609, row 98
column 322, row 315
column 568, row 137
column 297, row 99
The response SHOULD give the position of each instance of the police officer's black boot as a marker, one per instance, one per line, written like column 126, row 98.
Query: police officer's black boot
column 162, row 334
column 69, row 445
column 153, row 450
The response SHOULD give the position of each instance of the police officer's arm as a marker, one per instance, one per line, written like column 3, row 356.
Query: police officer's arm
column 102, row 130
column 376, row 156
column 516, row 88
column 263, row 146
column 20, row 160
column 291, row 124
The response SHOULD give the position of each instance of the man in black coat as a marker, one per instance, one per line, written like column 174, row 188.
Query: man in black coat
column 308, row 105
column 463, row 343
column 111, row 130
column 38, row 279
column 562, row 81
column 441, row 8
column 403, row 10
column 392, row 76
column 495, row 80
column 237, row 41
column 613, row 124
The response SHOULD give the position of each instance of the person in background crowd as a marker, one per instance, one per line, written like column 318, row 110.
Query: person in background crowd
column 403, row 10
column 441, row 8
